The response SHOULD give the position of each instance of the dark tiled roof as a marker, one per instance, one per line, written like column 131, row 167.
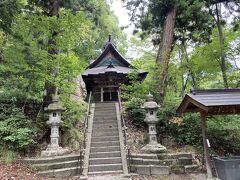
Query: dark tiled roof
column 210, row 99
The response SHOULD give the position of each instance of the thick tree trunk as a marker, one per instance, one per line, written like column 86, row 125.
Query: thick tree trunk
column 164, row 51
column 52, row 50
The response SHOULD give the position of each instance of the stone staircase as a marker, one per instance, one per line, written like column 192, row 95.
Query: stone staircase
column 105, row 151
column 55, row 167
column 162, row 164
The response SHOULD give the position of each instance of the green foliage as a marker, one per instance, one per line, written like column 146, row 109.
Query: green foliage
column 16, row 130
column 185, row 130
column 204, row 61
column 223, row 131
column 135, row 111
column 224, row 134
column 191, row 18
column 26, row 28
column 74, row 112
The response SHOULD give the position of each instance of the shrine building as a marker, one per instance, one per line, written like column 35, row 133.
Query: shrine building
column 105, row 74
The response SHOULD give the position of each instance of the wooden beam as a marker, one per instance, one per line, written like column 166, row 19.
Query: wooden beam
column 205, row 145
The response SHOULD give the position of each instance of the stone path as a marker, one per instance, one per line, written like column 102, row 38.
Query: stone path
column 109, row 177
column 139, row 177
column 172, row 177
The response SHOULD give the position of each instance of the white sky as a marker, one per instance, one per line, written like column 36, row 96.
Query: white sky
column 122, row 14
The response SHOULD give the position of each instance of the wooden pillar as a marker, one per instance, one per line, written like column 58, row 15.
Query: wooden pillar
column 101, row 94
column 205, row 145
column 110, row 93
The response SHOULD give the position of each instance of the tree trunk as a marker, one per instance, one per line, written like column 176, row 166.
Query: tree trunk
column 222, row 51
column 184, row 49
column 52, row 50
column 164, row 51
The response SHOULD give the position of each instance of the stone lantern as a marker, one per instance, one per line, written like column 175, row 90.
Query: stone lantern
column 151, row 119
column 54, row 110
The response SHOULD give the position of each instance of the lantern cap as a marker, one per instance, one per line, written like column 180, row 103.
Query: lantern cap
column 55, row 105
column 150, row 104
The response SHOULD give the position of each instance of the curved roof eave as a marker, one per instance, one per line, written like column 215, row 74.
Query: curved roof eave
column 109, row 47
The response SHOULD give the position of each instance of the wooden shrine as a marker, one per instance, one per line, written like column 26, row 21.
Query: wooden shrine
column 105, row 74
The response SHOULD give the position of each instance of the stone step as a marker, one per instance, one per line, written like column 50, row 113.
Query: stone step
column 185, row 161
column 105, row 167
column 105, row 138
column 174, row 156
column 105, row 143
column 102, row 129
column 110, row 125
column 57, row 165
column 150, row 169
column 141, row 161
column 104, row 104
column 112, row 116
column 107, row 160
column 96, row 118
column 144, row 156
column 55, row 159
column 191, row 168
column 106, row 110
column 105, row 172
column 105, row 113
column 104, row 118
column 105, row 154
column 104, row 149
column 108, row 107
column 102, row 133
column 104, row 122
column 60, row 173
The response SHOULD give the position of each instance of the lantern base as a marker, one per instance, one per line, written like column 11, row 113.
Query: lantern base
column 154, row 148
column 55, row 151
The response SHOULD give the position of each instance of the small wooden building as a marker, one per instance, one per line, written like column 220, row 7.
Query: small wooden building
column 208, row 103
column 105, row 74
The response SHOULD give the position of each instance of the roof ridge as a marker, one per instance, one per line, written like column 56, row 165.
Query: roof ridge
column 203, row 91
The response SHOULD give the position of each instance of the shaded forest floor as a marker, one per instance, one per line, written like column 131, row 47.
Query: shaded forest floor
column 17, row 171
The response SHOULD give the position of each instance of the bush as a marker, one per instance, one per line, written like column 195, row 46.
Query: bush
column 184, row 130
column 16, row 131
column 224, row 134
column 75, row 111
column 135, row 111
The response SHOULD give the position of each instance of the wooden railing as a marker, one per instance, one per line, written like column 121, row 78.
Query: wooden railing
column 124, row 130
column 83, row 143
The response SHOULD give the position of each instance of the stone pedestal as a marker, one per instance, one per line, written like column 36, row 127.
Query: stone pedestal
column 151, row 119
column 53, row 149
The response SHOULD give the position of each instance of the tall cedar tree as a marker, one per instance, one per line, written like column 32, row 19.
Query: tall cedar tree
column 168, row 21
column 51, row 8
